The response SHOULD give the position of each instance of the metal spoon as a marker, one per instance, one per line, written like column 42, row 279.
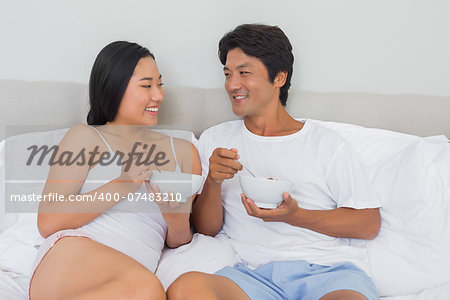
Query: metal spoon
column 246, row 169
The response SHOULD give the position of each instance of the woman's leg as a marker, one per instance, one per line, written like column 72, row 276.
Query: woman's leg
column 80, row 268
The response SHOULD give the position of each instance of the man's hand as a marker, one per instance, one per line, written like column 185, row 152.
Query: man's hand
column 286, row 212
column 223, row 164
column 207, row 212
column 342, row 222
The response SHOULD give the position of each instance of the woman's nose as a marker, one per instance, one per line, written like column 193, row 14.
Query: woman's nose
column 157, row 94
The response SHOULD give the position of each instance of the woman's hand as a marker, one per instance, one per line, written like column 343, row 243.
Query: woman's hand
column 133, row 174
column 176, row 214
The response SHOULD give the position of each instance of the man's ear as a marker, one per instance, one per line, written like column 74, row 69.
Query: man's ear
column 280, row 79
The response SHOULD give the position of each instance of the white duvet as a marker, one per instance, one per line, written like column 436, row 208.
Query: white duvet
column 410, row 259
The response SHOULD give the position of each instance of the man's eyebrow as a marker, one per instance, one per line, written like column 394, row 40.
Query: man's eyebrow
column 150, row 78
column 238, row 67
column 243, row 66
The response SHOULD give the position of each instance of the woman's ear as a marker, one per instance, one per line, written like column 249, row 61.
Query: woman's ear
column 280, row 79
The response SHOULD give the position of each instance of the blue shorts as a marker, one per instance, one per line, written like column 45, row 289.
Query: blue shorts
column 299, row 280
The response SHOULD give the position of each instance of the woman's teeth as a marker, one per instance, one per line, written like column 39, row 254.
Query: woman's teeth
column 239, row 97
column 152, row 109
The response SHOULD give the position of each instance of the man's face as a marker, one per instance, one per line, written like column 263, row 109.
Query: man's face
column 248, row 86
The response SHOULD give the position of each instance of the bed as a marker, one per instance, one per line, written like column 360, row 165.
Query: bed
column 400, row 139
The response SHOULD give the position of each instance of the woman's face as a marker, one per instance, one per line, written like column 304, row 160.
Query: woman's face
column 143, row 96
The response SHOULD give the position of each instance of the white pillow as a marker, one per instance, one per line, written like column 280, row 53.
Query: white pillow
column 13, row 156
column 203, row 254
column 3, row 221
column 412, row 177
column 22, row 179
column 372, row 145
column 412, row 251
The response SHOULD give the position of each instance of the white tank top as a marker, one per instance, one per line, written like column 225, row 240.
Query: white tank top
column 135, row 228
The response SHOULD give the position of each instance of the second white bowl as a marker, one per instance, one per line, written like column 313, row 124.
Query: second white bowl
column 183, row 185
column 266, row 193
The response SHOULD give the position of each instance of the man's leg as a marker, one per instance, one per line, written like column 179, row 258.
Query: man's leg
column 344, row 295
column 197, row 285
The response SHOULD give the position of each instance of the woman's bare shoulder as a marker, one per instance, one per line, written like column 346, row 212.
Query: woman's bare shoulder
column 80, row 135
column 182, row 143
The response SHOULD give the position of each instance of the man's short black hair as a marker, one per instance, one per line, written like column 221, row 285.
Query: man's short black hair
column 268, row 43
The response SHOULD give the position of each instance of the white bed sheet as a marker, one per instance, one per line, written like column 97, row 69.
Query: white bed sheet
column 192, row 257
column 14, row 285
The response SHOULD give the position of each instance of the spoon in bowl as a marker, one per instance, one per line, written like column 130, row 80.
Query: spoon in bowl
column 246, row 169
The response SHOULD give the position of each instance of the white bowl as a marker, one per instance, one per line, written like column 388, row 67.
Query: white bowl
column 183, row 185
column 266, row 193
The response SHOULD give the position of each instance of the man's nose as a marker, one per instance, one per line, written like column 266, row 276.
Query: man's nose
column 233, row 82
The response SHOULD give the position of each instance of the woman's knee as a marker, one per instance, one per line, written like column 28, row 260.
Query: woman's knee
column 141, row 285
column 190, row 285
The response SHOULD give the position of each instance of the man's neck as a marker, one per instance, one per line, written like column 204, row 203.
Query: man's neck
column 275, row 122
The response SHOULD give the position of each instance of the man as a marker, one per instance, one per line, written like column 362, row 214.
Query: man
column 304, row 249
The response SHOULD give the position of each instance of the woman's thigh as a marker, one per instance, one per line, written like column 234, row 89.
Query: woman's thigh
column 81, row 266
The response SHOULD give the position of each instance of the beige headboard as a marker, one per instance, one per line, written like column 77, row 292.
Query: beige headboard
column 63, row 104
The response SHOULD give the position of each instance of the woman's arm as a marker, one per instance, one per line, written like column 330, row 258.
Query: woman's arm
column 179, row 230
column 66, row 214
column 67, row 180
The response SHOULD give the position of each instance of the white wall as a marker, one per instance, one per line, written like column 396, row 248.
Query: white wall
column 386, row 46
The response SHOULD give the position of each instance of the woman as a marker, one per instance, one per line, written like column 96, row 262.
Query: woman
column 107, row 247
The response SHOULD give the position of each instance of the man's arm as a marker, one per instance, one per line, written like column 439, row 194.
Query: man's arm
column 207, row 211
column 341, row 222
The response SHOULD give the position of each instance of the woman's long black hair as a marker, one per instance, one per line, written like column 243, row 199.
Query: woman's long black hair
column 109, row 79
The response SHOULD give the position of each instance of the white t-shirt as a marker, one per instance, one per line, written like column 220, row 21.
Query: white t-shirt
column 325, row 175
